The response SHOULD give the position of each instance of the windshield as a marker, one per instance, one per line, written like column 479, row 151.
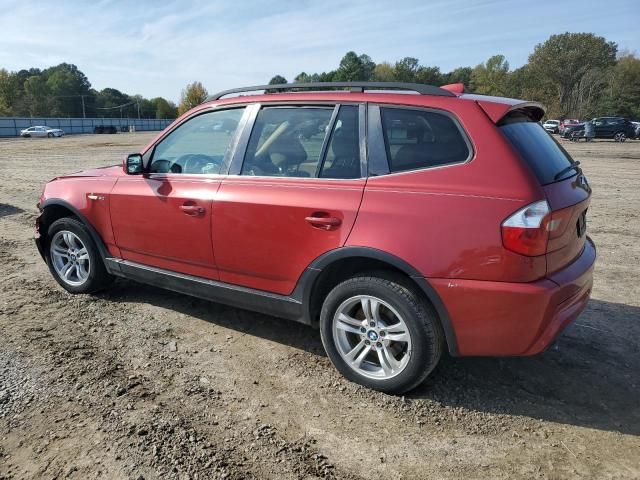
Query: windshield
column 536, row 147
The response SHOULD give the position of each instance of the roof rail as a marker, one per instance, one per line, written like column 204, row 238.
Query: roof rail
column 352, row 86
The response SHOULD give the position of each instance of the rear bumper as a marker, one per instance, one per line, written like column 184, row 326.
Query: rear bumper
column 504, row 319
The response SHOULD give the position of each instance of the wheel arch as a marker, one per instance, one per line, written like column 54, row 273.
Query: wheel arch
column 54, row 209
column 336, row 265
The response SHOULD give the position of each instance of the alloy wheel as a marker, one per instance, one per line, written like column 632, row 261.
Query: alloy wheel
column 371, row 337
column 70, row 258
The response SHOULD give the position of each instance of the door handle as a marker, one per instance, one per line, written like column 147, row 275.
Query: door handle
column 192, row 210
column 318, row 220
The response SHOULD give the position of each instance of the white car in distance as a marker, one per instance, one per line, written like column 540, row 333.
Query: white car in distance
column 41, row 131
column 551, row 126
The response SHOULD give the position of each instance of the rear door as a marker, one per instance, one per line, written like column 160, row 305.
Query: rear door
column 292, row 194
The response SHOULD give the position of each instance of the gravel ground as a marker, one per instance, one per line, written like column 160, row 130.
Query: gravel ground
column 138, row 383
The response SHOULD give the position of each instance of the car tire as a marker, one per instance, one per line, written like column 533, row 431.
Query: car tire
column 73, row 257
column 26, row 136
column 50, row 135
column 619, row 137
column 359, row 344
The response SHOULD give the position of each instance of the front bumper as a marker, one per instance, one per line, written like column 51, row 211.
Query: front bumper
column 514, row 319
column 37, row 237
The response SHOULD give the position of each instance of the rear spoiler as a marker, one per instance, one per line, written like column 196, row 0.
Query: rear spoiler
column 497, row 108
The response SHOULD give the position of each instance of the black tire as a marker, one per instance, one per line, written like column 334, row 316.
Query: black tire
column 619, row 137
column 50, row 135
column 423, row 326
column 98, row 277
column 26, row 136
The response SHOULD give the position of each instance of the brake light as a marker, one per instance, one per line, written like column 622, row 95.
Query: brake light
column 527, row 231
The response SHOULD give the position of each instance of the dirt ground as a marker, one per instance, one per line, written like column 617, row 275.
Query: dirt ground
column 138, row 382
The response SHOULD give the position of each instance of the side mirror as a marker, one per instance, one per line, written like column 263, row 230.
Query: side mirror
column 133, row 164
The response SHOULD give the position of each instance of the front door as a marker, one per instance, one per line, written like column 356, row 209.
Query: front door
column 163, row 217
column 295, row 197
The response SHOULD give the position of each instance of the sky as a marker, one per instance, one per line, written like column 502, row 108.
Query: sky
column 155, row 48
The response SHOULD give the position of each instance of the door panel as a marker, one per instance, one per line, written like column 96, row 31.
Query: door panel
column 165, row 221
column 261, row 234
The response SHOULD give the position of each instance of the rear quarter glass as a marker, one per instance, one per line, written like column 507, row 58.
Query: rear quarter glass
column 537, row 148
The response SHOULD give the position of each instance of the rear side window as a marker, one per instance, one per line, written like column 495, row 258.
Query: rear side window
column 416, row 139
column 307, row 142
column 287, row 141
column 542, row 153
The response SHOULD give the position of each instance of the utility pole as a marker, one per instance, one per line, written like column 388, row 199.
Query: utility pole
column 84, row 115
column 138, row 104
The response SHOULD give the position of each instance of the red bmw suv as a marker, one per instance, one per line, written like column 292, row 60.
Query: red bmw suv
column 399, row 219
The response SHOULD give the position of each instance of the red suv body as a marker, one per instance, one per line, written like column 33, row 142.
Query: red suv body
column 400, row 223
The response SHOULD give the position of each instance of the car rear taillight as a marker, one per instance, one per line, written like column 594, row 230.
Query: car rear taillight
column 527, row 231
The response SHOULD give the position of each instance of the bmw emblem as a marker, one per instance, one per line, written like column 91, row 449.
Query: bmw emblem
column 373, row 336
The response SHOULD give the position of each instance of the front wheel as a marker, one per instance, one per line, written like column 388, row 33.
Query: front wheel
column 620, row 137
column 73, row 257
column 380, row 333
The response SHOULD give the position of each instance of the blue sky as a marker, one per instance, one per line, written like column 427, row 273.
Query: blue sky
column 157, row 47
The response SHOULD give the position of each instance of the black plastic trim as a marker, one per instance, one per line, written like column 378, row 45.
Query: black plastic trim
column 358, row 87
column 220, row 292
column 378, row 163
column 104, row 252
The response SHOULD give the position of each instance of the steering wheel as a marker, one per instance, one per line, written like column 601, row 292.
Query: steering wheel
column 165, row 166
column 196, row 163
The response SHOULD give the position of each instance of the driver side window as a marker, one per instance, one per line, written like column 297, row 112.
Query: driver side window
column 199, row 145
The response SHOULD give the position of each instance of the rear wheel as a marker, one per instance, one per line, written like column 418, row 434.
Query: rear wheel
column 380, row 333
column 73, row 257
column 50, row 135
column 620, row 137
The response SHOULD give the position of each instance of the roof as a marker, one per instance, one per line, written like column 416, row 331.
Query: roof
column 385, row 92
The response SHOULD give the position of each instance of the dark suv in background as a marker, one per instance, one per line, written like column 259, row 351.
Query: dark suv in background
column 617, row 128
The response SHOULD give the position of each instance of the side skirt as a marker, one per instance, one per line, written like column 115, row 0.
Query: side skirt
column 220, row 292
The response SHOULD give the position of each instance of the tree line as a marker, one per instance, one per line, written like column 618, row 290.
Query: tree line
column 575, row 75
column 64, row 91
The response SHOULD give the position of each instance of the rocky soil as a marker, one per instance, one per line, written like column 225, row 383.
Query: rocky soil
column 140, row 383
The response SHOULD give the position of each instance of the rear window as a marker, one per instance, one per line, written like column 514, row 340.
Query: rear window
column 417, row 139
column 542, row 153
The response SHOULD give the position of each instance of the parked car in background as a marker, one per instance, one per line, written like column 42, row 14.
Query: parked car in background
column 552, row 126
column 618, row 128
column 109, row 129
column 320, row 207
column 569, row 130
column 566, row 123
column 41, row 131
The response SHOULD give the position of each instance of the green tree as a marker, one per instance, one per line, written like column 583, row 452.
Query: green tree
column 384, row 72
column 622, row 89
column 37, row 97
column 351, row 68
column 459, row 75
column 302, row 77
column 429, row 76
column 8, row 92
column 164, row 108
column 564, row 60
column 192, row 96
column 491, row 78
column 67, row 85
column 277, row 80
column 406, row 69
column 113, row 103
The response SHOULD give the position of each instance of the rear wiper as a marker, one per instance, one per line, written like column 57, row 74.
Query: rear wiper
column 574, row 165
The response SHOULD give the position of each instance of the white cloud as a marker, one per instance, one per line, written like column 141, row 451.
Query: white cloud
column 155, row 48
